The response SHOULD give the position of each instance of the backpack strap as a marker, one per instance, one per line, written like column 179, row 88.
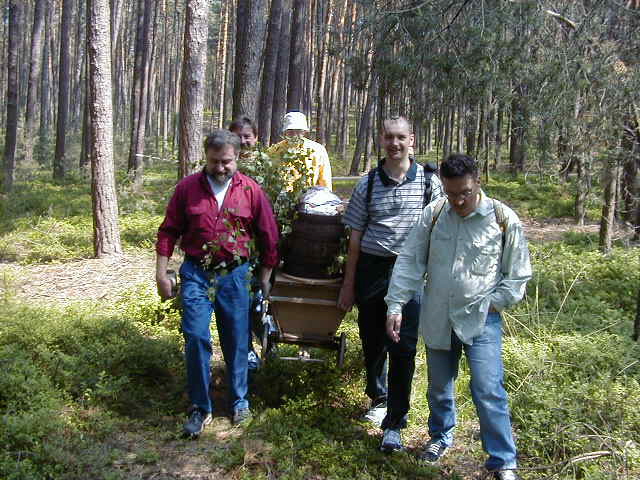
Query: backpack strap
column 370, row 181
column 501, row 219
column 429, row 169
column 437, row 210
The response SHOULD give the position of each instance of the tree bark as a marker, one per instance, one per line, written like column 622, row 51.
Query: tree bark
column 583, row 187
column 609, row 205
column 34, row 77
column 282, row 74
column 106, row 233
column 249, row 42
column 519, row 127
column 11, row 134
column 296, row 59
column 269, row 72
column 45, row 116
column 363, row 128
column 59, row 159
column 140, row 90
column 192, row 86
column 322, row 74
column 224, row 41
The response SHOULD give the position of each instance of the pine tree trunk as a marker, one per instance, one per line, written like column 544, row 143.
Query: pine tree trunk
column 106, row 233
column 45, row 117
column 282, row 74
column 519, row 128
column 363, row 127
column 11, row 134
column 34, row 76
column 296, row 58
column 59, row 160
column 269, row 71
column 140, row 90
column 609, row 205
column 322, row 74
column 249, row 42
column 582, row 188
column 224, row 41
column 192, row 87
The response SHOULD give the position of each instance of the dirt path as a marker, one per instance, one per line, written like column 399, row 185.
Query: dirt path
column 106, row 279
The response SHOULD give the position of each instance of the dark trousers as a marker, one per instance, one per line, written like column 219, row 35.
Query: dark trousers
column 394, row 386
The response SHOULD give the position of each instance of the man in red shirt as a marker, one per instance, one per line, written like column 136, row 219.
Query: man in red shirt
column 226, row 212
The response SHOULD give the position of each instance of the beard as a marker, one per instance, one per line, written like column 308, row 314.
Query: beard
column 220, row 178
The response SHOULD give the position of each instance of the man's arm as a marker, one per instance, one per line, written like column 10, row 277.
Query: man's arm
column 408, row 273
column 267, row 231
column 264, row 276
column 162, row 280
column 324, row 174
column 515, row 267
column 346, row 299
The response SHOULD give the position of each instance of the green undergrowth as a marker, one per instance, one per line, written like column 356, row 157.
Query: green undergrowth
column 540, row 199
column 75, row 380
column 44, row 221
column 74, row 377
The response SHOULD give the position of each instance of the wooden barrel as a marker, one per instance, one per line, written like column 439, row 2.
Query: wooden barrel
column 313, row 245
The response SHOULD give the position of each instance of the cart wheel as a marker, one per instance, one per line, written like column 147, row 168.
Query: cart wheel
column 342, row 349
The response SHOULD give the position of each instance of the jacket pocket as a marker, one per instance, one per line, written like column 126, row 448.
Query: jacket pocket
column 486, row 261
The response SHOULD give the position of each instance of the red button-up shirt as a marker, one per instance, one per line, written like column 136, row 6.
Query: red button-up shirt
column 194, row 214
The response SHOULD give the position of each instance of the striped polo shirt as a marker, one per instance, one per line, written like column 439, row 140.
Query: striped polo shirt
column 393, row 210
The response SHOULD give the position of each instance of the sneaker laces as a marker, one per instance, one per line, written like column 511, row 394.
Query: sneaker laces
column 433, row 448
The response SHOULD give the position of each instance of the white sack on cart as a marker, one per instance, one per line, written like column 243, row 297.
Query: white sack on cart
column 320, row 201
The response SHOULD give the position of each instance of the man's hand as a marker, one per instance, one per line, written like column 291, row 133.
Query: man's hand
column 346, row 299
column 164, row 285
column 263, row 278
column 162, row 279
column 394, row 321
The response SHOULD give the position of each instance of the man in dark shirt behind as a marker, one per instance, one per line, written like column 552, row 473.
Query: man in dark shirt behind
column 224, row 210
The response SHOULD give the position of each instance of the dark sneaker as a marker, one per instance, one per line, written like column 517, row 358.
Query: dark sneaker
column 391, row 441
column 505, row 475
column 198, row 419
column 242, row 416
column 432, row 451
column 376, row 414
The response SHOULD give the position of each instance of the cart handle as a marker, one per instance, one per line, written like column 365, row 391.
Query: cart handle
column 305, row 301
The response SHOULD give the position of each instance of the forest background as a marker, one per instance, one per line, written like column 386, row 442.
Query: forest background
column 106, row 104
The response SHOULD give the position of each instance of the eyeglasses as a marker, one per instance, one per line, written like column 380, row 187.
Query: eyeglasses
column 463, row 195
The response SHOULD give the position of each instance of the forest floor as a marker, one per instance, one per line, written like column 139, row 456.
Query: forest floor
column 157, row 452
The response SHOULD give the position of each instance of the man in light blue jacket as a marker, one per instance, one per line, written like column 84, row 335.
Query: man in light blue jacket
column 476, row 260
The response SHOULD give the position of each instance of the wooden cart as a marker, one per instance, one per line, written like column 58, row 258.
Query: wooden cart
column 304, row 312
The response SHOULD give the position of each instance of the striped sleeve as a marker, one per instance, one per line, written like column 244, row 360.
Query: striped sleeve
column 356, row 214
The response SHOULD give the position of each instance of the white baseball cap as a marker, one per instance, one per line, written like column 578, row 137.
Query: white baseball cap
column 295, row 121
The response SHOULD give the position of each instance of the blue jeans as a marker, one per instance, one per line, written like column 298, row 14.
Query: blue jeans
column 487, row 391
column 231, row 306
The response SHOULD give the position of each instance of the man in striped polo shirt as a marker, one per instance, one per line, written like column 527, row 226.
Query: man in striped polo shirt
column 383, row 208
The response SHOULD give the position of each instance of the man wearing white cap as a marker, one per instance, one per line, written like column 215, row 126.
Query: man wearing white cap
column 294, row 126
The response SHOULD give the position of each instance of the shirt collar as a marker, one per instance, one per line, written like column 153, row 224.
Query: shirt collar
column 410, row 176
column 485, row 205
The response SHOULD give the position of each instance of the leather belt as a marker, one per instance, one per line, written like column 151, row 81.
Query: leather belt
column 229, row 265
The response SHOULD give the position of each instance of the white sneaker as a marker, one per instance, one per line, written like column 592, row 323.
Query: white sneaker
column 376, row 414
